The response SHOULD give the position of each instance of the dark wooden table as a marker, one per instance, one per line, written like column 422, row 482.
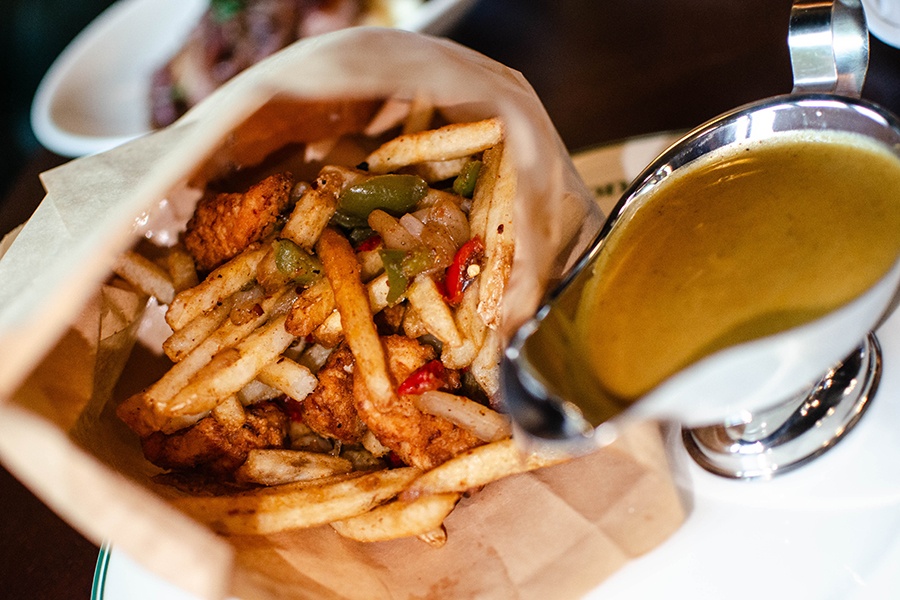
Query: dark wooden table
column 605, row 71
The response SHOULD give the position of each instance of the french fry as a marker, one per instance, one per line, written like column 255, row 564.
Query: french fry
column 377, row 290
column 499, row 244
column 226, row 336
column 181, row 342
column 445, row 143
column 317, row 205
column 278, row 466
column 221, row 283
column 255, row 392
column 215, row 382
column 399, row 519
column 437, row 319
column 370, row 264
column 182, row 270
column 459, row 357
column 290, row 378
column 145, row 275
column 314, row 356
column 484, row 190
column 468, row 321
column 440, row 170
column 477, row 467
column 230, row 413
column 484, row 423
column 426, row 299
column 330, row 332
column 311, row 308
column 351, row 298
column 485, row 368
column 297, row 505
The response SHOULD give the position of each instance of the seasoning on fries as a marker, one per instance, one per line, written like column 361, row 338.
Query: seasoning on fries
column 335, row 354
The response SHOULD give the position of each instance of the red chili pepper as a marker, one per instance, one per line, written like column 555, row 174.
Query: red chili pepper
column 459, row 275
column 430, row 376
column 370, row 243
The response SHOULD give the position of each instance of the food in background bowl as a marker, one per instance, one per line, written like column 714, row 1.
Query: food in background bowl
column 233, row 35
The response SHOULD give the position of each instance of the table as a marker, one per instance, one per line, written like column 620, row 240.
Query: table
column 604, row 70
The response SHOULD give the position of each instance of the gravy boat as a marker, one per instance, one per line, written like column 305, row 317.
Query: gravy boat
column 755, row 408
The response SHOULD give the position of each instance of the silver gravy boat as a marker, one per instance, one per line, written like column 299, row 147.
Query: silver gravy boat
column 757, row 408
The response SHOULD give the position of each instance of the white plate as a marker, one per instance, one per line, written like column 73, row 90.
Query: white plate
column 827, row 531
column 95, row 96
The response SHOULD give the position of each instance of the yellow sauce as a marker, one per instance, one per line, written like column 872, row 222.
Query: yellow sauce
column 743, row 243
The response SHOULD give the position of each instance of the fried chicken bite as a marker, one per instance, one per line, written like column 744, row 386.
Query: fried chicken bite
column 330, row 409
column 214, row 447
column 225, row 224
column 419, row 439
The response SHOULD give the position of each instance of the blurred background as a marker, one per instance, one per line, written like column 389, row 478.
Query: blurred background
column 597, row 80
column 32, row 34
column 604, row 70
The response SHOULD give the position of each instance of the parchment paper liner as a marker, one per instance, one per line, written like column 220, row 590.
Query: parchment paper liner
column 556, row 532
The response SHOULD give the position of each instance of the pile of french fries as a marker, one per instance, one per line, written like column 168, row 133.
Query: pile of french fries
column 223, row 364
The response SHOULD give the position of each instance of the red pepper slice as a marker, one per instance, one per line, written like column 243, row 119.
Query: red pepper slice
column 370, row 243
column 430, row 376
column 459, row 276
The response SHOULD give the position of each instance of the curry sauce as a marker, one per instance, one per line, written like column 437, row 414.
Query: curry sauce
column 745, row 242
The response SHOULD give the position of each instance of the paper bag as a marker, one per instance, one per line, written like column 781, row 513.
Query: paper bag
column 556, row 532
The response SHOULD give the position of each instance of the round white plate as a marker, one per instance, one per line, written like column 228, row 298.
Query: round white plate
column 95, row 96
column 827, row 531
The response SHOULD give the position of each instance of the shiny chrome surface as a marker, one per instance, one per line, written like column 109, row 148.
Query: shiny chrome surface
column 787, row 436
column 829, row 46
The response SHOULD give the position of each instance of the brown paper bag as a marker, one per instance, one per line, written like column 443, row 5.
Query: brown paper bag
column 556, row 532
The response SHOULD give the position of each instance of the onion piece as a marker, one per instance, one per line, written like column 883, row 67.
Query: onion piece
column 393, row 234
column 412, row 224
column 247, row 305
column 484, row 423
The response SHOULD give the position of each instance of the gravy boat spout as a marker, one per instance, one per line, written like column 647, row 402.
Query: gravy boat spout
column 554, row 395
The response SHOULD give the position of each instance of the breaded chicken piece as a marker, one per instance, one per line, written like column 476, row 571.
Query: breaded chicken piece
column 213, row 447
column 223, row 225
column 419, row 439
column 330, row 410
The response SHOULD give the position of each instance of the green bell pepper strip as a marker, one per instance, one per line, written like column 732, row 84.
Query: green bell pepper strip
column 393, row 193
column 464, row 184
column 398, row 281
column 401, row 267
column 296, row 263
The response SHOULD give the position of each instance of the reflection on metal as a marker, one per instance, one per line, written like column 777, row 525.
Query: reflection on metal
column 829, row 46
column 790, row 435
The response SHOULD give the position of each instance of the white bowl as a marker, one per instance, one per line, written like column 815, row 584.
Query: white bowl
column 95, row 96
